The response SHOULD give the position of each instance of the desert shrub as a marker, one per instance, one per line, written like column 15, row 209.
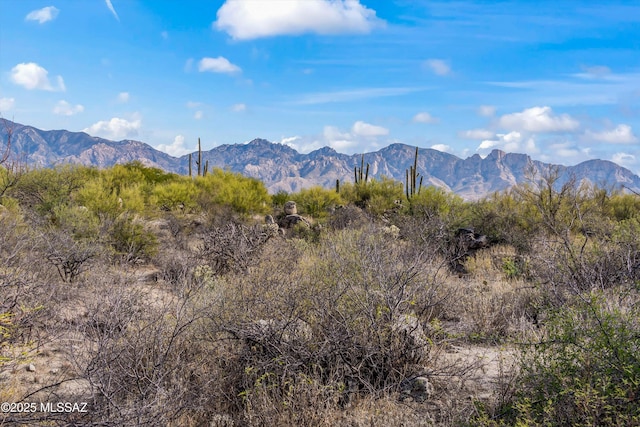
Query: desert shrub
column 131, row 241
column 70, row 257
column 435, row 201
column 315, row 201
column 98, row 200
column 146, row 367
column 349, row 216
column 376, row 196
column 233, row 247
column 280, row 198
column 181, row 195
column 325, row 323
column 585, row 371
column 624, row 206
column 503, row 217
column 244, row 195
column 43, row 190
column 151, row 175
column 77, row 221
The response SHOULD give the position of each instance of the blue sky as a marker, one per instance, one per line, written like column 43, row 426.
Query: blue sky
column 559, row 80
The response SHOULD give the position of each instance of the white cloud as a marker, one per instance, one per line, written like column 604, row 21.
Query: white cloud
column 336, row 139
column 251, row 19
column 43, row 15
column 124, row 97
column 424, row 117
column 198, row 115
column 476, row 134
column 438, row 66
column 32, row 76
column 624, row 159
column 441, row 147
column 6, row 104
column 112, row 9
column 361, row 128
column 512, row 142
column 538, row 119
column 291, row 142
column 116, row 128
column 218, row 65
column 239, row 108
column 487, row 110
column 622, row 134
column 175, row 149
column 63, row 108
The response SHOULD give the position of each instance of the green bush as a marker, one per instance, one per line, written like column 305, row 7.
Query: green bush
column 315, row 201
column 586, row 371
column 131, row 241
column 245, row 195
column 176, row 195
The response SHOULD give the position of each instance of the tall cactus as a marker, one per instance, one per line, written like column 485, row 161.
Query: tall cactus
column 201, row 171
column 199, row 161
column 358, row 172
column 412, row 185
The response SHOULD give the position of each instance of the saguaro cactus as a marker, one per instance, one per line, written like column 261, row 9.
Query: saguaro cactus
column 358, row 172
column 412, row 186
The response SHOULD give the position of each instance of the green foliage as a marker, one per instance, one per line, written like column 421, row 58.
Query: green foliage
column 131, row 241
column 435, row 201
column 377, row 196
column 280, row 198
column 245, row 195
column 99, row 200
column 176, row 195
column 78, row 221
column 315, row 201
column 624, row 206
column 151, row 175
column 42, row 190
column 586, row 371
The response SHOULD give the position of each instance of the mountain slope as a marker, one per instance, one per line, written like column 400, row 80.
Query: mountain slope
column 281, row 167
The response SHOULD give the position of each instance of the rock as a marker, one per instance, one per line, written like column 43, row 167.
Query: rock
column 418, row 389
column 290, row 208
column 290, row 221
column 31, row 367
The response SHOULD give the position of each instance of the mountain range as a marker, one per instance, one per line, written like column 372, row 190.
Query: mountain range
column 280, row 167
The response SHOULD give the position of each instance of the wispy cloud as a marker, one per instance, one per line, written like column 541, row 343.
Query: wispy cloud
column 361, row 128
column 218, row 65
column 112, row 9
column 437, row 66
column 425, row 117
column 123, row 97
column 43, row 15
column 6, row 104
column 354, row 95
column 621, row 134
column 63, row 108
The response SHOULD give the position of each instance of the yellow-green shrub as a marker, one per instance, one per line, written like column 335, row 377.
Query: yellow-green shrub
column 314, row 201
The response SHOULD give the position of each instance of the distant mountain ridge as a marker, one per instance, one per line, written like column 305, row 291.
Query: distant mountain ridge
column 281, row 167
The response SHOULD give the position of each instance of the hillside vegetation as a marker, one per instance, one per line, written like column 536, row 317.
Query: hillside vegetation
column 161, row 299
